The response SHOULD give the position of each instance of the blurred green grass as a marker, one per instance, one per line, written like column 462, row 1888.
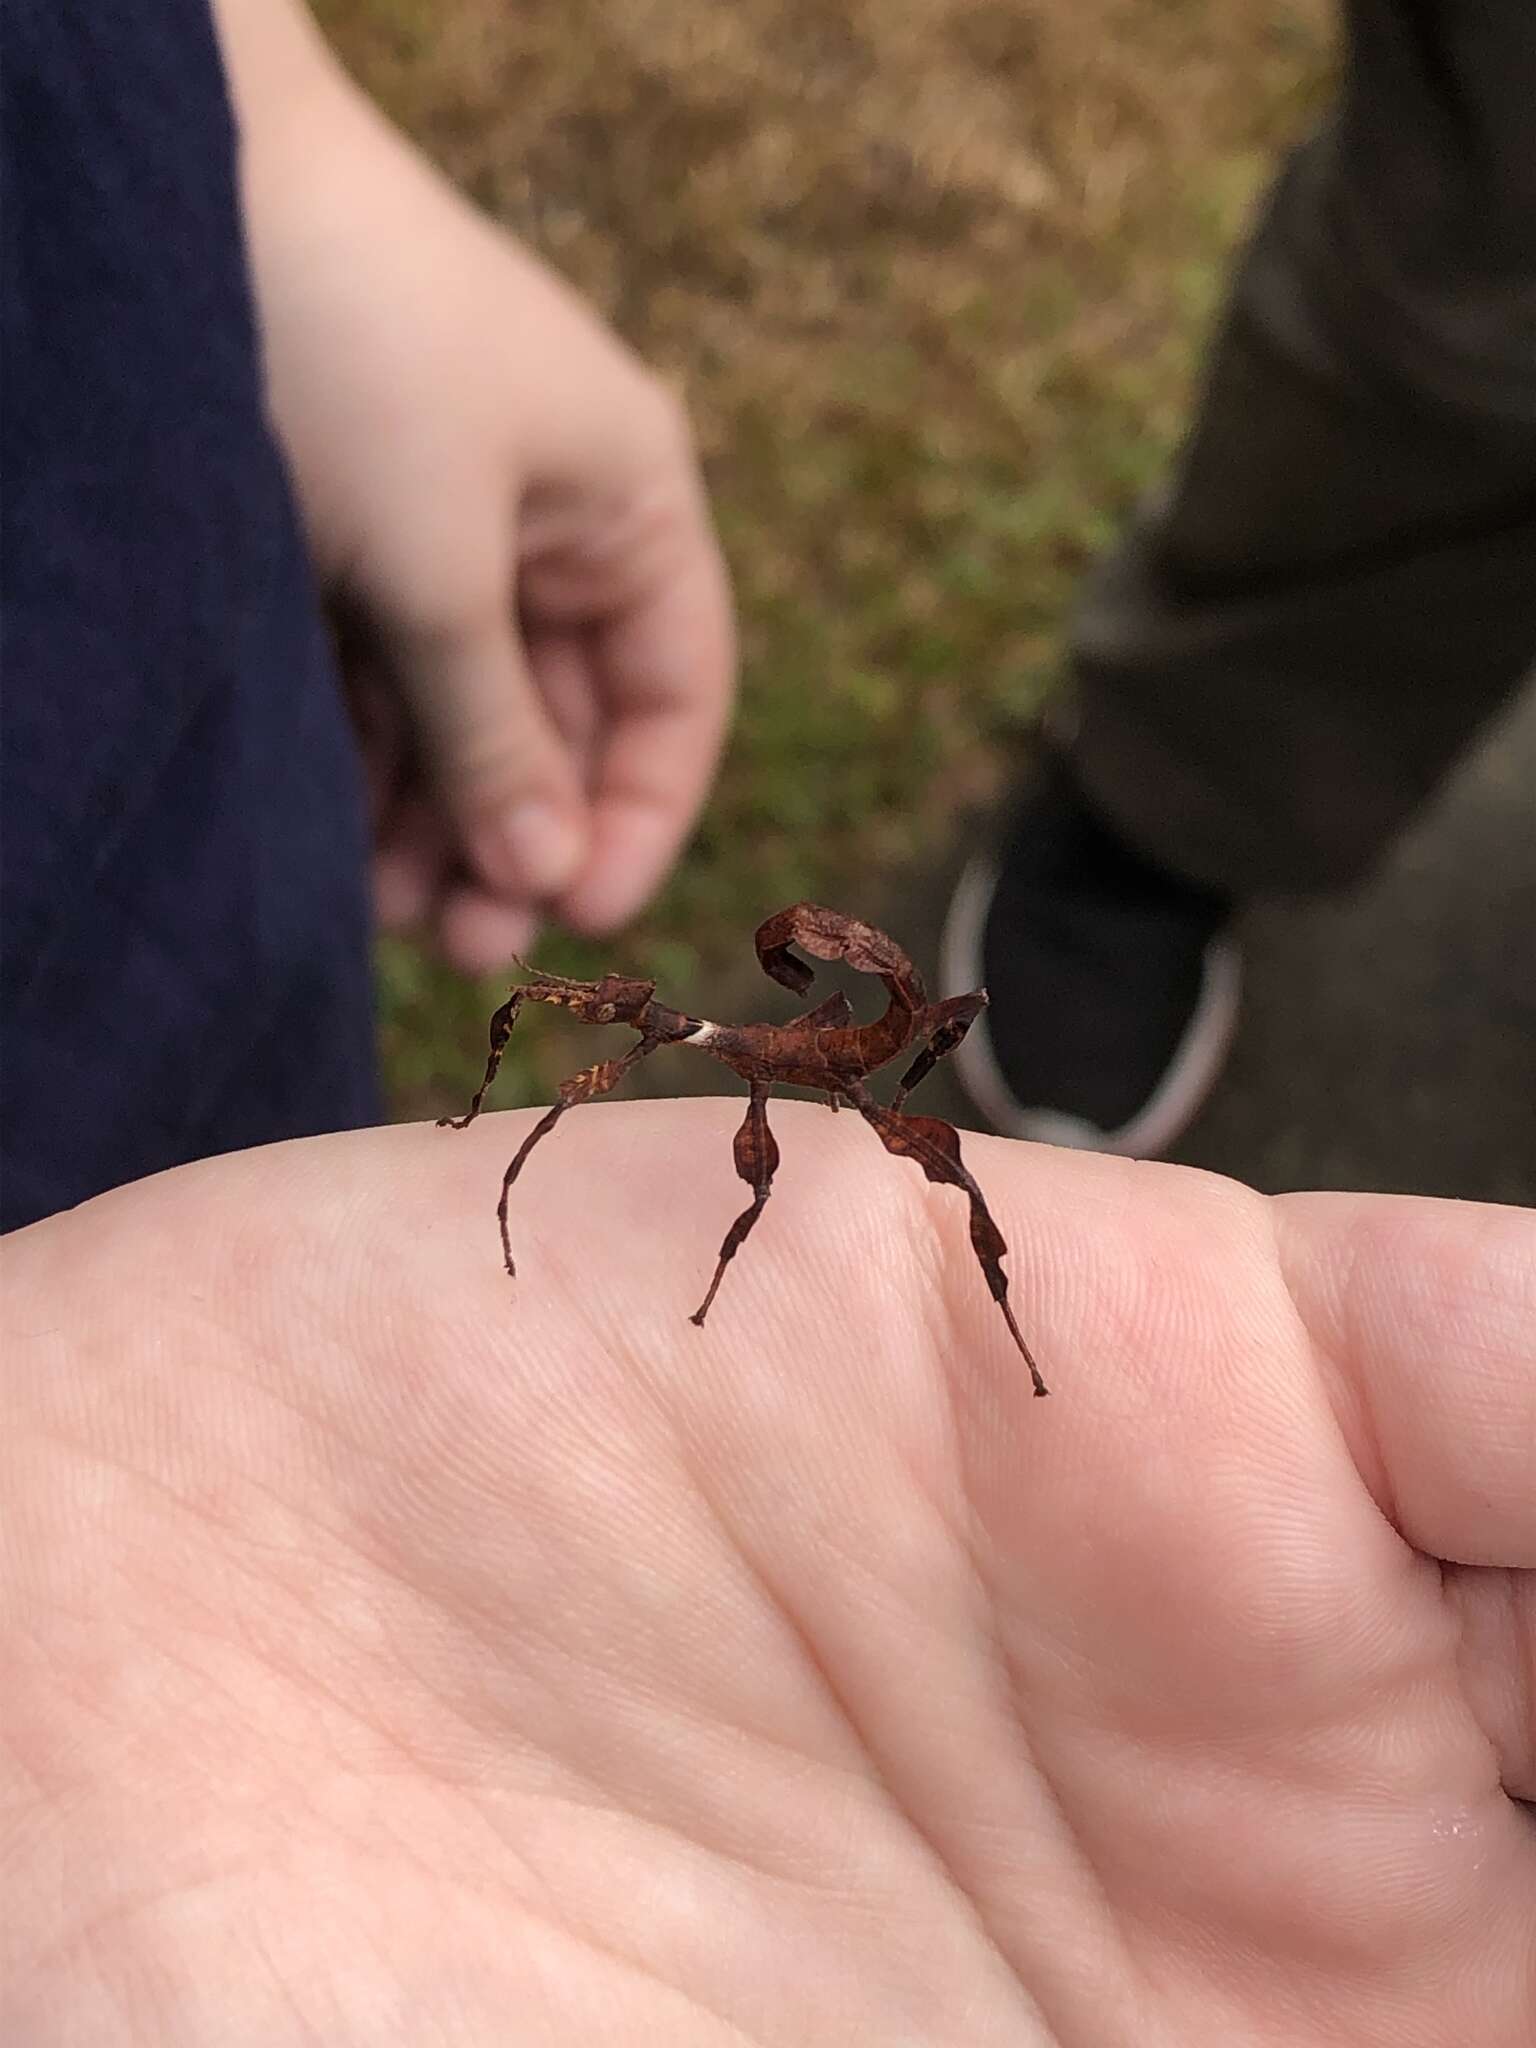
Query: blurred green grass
column 932, row 275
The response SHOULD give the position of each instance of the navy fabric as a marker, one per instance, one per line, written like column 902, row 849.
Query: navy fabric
column 184, row 932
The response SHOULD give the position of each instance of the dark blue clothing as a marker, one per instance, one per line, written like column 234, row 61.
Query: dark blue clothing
column 184, row 931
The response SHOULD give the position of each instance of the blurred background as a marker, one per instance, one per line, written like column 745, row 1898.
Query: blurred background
column 933, row 276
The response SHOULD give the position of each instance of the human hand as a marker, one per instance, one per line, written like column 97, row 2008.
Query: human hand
column 506, row 506
column 396, row 1652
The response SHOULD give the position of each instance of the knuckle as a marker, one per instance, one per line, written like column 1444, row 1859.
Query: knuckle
column 665, row 420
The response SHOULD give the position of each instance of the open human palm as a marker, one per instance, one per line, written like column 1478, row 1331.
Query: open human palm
column 394, row 1652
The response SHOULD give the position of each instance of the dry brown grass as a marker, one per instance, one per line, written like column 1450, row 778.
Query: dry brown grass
column 931, row 273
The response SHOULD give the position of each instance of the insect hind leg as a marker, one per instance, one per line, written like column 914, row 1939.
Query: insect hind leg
column 935, row 1146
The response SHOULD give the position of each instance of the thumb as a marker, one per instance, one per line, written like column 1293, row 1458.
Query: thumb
column 510, row 785
column 1426, row 1314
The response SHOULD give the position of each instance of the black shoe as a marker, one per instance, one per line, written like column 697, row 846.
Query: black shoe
column 1113, row 986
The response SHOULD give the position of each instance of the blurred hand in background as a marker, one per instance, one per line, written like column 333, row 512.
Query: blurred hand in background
column 507, row 508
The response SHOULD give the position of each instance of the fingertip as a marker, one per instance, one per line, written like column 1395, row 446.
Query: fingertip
column 478, row 935
column 534, row 848
column 401, row 893
column 596, row 912
column 632, row 847
column 409, row 863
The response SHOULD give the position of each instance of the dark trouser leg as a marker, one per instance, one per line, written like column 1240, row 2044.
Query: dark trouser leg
column 1339, row 586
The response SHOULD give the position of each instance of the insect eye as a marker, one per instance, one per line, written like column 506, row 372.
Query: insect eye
column 605, row 1013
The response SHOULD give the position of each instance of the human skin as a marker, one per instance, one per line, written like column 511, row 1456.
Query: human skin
column 504, row 505
column 394, row 1652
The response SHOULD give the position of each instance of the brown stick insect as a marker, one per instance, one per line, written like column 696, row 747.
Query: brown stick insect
column 824, row 1050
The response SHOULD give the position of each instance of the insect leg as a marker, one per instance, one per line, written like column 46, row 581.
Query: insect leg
column 951, row 1020
column 501, row 1031
column 594, row 1080
column 936, row 1148
column 757, row 1159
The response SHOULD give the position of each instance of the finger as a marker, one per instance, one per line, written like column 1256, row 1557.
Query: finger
column 479, row 933
column 662, row 672
column 1425, row 1312
column 560, row 662
column 506, row 776
column 378, row 718
column 409, row 865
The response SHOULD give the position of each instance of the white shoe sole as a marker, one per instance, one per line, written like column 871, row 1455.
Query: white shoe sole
column 1172, row 1104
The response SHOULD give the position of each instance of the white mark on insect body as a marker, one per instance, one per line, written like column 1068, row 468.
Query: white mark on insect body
column 703, row 1035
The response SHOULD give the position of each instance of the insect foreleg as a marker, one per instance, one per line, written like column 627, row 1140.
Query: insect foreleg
column 501, row 1030
column 595, row 1080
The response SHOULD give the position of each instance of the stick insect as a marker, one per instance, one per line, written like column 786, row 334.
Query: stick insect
column 823, row 1050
